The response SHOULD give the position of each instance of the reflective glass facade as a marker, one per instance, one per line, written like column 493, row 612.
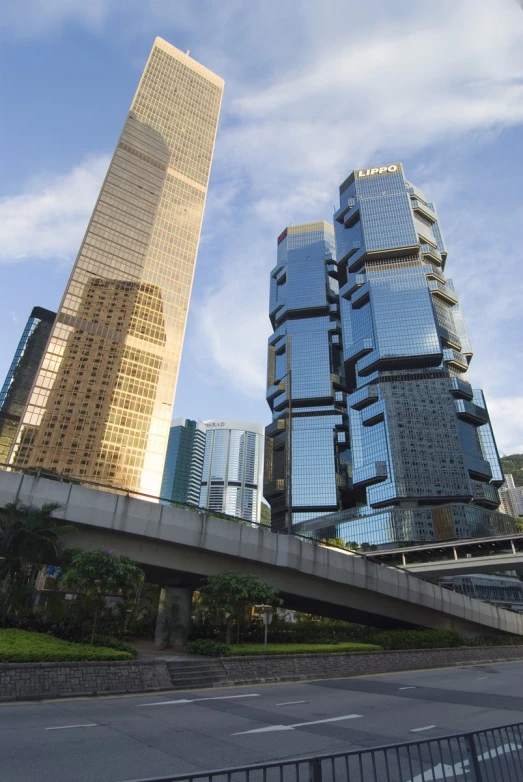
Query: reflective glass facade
column 307, row 457
column 21, row 376
column 232, row 475
column 424, row 463
column 101, row 405
column 182, row 473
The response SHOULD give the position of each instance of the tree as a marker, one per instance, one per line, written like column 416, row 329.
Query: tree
column 233, row 592
column 265, row 517
column 29, row 535
column 335, row 542
column 102, row 572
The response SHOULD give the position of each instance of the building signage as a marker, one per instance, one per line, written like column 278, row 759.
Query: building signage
column 282, row 236
column 364, row 172
column 214, row 424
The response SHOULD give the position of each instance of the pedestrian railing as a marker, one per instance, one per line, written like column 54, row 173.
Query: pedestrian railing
column 494, row 755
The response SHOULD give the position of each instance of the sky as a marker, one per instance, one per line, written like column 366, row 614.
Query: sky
column 314, row 89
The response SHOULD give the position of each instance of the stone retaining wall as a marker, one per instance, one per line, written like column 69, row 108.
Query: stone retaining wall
column 298, row 667
column 33, row 681
column 28, row 681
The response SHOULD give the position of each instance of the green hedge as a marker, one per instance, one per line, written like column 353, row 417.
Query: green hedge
column 114, row 643
column 208, row 647
column 21, row 646
column 246, row 650
column 417, row 639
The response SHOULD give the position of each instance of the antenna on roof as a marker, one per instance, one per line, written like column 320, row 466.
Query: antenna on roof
column 188, row 52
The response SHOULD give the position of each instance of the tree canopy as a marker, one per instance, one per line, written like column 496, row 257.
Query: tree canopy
column 30, row 535
column 513, row 464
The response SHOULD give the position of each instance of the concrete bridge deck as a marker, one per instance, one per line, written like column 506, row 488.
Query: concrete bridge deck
column 181, row 547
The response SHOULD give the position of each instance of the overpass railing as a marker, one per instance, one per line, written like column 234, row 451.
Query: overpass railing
column 60, row 477
column 494, row 755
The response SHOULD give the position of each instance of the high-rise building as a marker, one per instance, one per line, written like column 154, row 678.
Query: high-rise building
column 424, row 464
column 511, row 497
column 182, row 473
column 232, row 475
column 100, row 408
column 21, row 376
column 306, row 452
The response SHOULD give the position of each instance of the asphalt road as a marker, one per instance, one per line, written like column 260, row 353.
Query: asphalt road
column 127, row 738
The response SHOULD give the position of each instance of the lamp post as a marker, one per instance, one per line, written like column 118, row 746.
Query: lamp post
column 267, row 619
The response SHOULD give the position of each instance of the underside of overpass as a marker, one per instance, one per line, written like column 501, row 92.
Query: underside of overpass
column 180, row 548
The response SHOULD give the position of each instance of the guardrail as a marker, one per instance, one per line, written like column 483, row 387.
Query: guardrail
column 494, row 755
column 126, row 492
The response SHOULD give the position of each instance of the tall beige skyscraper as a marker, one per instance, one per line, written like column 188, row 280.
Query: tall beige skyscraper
column 100, row 408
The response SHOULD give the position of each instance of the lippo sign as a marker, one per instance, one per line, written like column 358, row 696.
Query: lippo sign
column 365, row 172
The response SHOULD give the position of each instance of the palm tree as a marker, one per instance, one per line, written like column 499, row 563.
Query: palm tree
column 29, row 535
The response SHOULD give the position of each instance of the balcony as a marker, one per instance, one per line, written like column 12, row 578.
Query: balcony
column 359, row 349
column 433, row 252
column 364, row 397
column 471, row 412
column 354, row 282
column 275, row 427
column 271, row 488
column 340, row 215
column 461, row 388
column 443, row 291
column 479, row 468
column 455, row 359
column 370, row 473
column 485, row 494
column 424, row 208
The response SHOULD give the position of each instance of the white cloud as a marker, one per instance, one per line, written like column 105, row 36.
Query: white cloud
column 507, row 420
column 436, row 74
column 49, row 219
column 38, row 18
column 312, row 92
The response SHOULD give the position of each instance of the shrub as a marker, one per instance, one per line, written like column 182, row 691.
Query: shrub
column 114, row 643
column 208, row 647
column 417, row 639
column 494, row 640
column 255, row 649
column 21, row 646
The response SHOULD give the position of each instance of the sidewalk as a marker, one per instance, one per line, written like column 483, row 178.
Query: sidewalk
column 147, row 650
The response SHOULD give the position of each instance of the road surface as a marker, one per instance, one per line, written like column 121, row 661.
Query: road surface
column 126, row 738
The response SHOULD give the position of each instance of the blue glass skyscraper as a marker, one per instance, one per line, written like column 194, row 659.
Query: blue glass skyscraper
column 423, row 458
column 182, row 472
column 306, row 443
column 17, row 385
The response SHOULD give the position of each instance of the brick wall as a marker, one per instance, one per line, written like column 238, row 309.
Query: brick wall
column 19, row 681
column 323, row 666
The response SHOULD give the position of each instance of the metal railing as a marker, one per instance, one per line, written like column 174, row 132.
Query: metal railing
column 133, row 494
column 494, row 755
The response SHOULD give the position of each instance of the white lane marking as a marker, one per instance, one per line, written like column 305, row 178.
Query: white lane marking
column 197, row 700
column 407, row 688
column 66, row 727
column 442, row 771
column 482, row 677
column 272, row 728
column 418, row 730
column 290, row 703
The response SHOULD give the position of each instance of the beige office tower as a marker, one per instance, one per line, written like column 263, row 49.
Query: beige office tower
column 100, row 408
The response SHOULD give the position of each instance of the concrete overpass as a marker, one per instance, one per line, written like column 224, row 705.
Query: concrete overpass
column 179, row 548
column 456, row 557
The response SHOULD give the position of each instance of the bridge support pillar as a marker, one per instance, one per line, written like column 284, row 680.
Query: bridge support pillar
column 174, row 617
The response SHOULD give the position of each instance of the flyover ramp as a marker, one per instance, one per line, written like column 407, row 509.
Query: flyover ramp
column 181, row 547
column 497, row 563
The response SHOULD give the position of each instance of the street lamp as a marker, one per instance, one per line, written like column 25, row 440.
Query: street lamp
column 267, row 619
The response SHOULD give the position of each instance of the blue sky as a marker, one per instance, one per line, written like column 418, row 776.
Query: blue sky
column 314, row 88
